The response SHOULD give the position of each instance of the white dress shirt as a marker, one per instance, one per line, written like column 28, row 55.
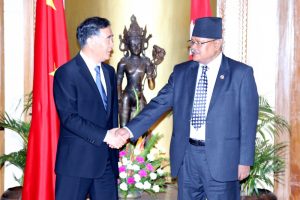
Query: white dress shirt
column 91, row 66
column 212, row 72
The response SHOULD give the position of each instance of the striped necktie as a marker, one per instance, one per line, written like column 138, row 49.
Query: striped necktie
column 100, row 87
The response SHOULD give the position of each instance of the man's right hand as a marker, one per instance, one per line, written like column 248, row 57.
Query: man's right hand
column 116, row 138
column 124, row 133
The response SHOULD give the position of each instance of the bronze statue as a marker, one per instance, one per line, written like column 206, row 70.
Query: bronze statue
column 135, row 65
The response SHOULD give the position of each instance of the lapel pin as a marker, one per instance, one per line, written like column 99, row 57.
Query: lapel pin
column 222, row 76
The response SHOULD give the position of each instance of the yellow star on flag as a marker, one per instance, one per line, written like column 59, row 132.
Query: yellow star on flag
column 51, row 4
column 55, row 68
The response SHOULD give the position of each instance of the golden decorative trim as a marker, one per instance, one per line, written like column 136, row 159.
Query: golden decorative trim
column 244, row 29
column 222, row 14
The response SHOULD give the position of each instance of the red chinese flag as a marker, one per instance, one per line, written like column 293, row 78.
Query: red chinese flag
column 199, row 8
column 50, row 50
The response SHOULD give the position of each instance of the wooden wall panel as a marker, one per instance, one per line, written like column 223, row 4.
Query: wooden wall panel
column 295, row 109
column 288, row 94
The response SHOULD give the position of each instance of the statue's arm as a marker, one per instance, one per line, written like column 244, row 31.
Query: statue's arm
column 158, row 55
column 120, row 76
column 151, row 75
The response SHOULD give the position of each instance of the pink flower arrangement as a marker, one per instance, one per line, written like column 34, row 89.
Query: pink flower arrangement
column 140, row 159
column 142, row 171
column 130, row 180
column 149, row 167
column 122, row 153
column 122, row 168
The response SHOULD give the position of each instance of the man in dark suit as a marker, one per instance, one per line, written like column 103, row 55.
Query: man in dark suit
column 85, row 93
column 215, row 109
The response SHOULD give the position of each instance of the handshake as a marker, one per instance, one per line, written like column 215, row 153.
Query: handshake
column 117, row 137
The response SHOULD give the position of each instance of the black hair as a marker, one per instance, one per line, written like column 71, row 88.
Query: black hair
column 89, row 27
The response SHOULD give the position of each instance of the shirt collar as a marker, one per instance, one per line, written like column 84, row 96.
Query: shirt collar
column 90, row 64
column 215, row 63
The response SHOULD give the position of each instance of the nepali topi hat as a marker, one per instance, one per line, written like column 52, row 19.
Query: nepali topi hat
column 208, row 27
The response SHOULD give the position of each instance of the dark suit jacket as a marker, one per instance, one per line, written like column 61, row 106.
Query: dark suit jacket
column 231, row 118
column 83, row 120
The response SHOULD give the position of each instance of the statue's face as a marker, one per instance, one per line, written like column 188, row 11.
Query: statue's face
column 135, row 46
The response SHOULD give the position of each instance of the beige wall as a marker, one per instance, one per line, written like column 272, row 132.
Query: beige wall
column 213, row 5
column 167, row 21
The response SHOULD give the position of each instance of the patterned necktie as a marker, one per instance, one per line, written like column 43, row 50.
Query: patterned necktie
column 100, row 87
column 198, row 115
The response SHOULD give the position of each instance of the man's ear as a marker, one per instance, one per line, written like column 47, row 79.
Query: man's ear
column 218, row 44
column 89, row 42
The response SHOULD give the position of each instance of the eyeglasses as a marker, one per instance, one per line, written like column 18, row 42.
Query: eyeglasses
column 198, row 43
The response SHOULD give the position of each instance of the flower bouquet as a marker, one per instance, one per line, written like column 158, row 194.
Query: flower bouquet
column 141, row 168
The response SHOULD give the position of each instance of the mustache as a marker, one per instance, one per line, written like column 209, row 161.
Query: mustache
column 193, row 51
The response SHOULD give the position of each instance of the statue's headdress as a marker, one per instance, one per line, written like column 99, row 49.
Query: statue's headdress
column 134, row 31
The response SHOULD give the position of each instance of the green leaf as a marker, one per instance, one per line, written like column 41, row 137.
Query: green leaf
column 150, row 144
column 269, row 162
column 15, row 158
column 20, row 127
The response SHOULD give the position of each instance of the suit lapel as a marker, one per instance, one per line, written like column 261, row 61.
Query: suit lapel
column 192, row 76
column 108, row 86
column 83, row 69
column 223, row 79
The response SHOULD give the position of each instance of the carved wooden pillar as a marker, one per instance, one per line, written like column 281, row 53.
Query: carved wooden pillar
column 288, row 94
column 295, row 108
column 29, row 22
column 1, row 92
